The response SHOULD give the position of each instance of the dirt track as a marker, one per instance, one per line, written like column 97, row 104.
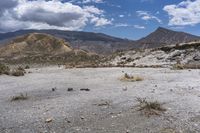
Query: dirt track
column 109, row 106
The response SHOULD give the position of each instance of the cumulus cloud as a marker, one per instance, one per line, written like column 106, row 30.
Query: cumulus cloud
column 145, row 15
column 184, row 13
column 7, row 4
column 54, row 14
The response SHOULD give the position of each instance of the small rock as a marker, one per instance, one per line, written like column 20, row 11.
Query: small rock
column 153, row 91
column 84, row 89
column 53, row 89
column 70, row 89
column 196, row 57
column 125, row 89
column 48, row 120
column 82, row 118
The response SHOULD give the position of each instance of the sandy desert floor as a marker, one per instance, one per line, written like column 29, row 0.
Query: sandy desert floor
column 109, row 107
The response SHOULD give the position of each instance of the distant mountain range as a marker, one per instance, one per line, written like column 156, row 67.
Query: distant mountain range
column 94, row 42
column 105, row 44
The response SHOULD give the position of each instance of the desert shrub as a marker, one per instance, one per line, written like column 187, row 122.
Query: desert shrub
column 131, row 78
column 20, row 68
column 27, row 67
column 4, row 69
column 150, row 107
column 178, row 66
column 17, row 73
column 19, row 97
column 20, row 71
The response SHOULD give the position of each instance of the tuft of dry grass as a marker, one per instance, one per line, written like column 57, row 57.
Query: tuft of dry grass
column 27, row 67
column 20, row 71
column 150, row 107
column 131, row 78
column 17, row 73
column 21, row 96
column 178, row 66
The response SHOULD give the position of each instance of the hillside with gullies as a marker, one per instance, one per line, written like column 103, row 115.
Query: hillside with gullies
column 42, row 48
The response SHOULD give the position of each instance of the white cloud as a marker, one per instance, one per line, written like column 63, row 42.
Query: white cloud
column 121, row 16
column 139, row 27
column 99, row 22
column 93, row 10
column 87, row 1
column 184, row 13
column 94, row 1
column 145, row 15
column 122, row 25
column 7, row 4
column 54, row 14
column 128, row 25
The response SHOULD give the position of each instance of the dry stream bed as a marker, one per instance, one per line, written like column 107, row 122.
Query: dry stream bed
column 95, row 100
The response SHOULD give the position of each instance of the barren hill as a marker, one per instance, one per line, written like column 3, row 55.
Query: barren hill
column 35, row 44
column 41, row 48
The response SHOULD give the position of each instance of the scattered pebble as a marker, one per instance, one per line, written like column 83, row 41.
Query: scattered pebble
column 53, row 89
column 70, row 89
column 125, row 89
column 84, row 89
column 48, row 120
column 82, row 118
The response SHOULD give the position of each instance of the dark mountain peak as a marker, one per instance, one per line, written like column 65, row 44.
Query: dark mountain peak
column 163, row 30
column 162, row 36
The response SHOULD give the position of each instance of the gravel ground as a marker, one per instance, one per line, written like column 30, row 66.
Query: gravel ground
column 109, row 106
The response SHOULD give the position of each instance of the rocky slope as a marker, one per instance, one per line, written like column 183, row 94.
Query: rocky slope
column 38, row 48
column 185, row 53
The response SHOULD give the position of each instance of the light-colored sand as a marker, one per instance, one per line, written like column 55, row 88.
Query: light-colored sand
column 78, row 111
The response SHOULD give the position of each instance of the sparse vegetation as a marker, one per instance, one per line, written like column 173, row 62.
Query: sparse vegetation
column 20, row 71
column 27, row 67
column 178, row 66
column 131, row 78
column 4, row 69
column 150, row 107
column 19, row 97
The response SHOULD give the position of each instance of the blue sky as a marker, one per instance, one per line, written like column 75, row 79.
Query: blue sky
column 130, row 19
column 129, row 8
